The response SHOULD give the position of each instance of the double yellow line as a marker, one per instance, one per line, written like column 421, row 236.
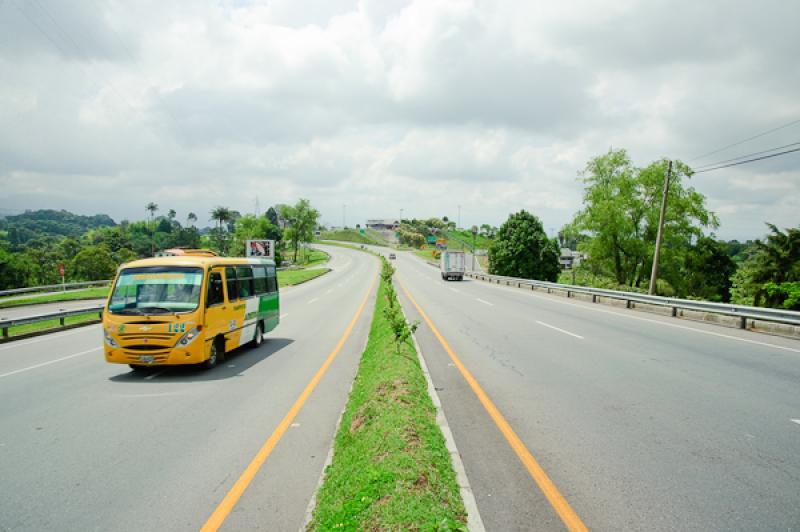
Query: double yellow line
column 235, row 493
column 549, row 489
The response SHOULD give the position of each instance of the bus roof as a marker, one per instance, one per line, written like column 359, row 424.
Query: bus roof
column 197, row 261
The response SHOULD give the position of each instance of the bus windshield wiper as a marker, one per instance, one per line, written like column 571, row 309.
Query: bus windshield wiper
column 161, row 310
column 128, row 312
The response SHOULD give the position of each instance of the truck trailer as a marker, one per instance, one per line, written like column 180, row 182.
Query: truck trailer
column 452, row 265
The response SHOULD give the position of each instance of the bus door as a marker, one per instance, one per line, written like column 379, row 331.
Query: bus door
column 217, row 309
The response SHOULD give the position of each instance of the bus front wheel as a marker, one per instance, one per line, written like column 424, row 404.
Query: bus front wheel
column 213, row 357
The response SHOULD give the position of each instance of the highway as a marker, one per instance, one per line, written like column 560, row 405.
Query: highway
column 87, row 445
column 641, row 422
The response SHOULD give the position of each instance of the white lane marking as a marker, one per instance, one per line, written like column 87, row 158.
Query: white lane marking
column 675, row 325
column 453, row 290
column 50, row 362
column 796, row 421
column 543, row 324
column 50, row 336
column 329, row 291
column 284, row 315
column 484, row 302
column 313, row 300
column 154, row 375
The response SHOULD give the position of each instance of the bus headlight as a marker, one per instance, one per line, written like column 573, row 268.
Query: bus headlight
column 110, row 340
column 189, row 337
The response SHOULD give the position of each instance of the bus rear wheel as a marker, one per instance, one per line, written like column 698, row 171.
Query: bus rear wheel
column 258, row 339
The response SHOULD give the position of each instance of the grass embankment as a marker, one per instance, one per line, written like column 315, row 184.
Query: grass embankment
column 350, row 235
column 52, row 324
column 462, row 240
column 89, row 293
column 293, row 277
column 391, row 469
column 426, row 254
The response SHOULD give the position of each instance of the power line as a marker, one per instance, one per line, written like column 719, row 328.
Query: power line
column 746, row 140
column 702, row 167
column 748, row 161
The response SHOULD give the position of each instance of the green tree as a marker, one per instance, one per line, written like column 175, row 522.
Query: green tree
column 222, row 215
column 302, row 218
column 765, row 278
column 94, row 263
column 191, row 219
column 251, row 227
column 708, row 270
column 521, row 249
column 618, row 223
column 272, row 216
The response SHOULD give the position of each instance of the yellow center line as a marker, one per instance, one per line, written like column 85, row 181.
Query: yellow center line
column 549, row 489
column 237, row 490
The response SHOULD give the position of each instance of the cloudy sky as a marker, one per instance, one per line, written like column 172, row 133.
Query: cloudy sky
column 386, row 105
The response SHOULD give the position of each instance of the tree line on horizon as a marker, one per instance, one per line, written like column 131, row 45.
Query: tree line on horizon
column 34, row 245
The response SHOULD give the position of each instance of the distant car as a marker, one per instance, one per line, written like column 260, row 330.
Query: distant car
column 392, row 256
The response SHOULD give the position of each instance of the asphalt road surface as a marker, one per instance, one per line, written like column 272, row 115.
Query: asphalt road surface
column 87, row 445
column 641, row 422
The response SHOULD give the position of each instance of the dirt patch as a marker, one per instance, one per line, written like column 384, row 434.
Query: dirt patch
column 357, row 423
column 421, row 482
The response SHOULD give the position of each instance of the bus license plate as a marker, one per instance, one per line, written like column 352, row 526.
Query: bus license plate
column 146, row 358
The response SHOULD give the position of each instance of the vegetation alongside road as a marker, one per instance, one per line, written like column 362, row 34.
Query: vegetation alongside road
column 350, row 235
column 293, row 277
column 72, row 295
column 391, row 469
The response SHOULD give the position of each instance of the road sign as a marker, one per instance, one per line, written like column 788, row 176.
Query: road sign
column 61, row 270
column 260, row 248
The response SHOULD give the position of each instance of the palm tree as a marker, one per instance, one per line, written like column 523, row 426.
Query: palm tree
column 151, row 208
column 191, row 218
column 221, row 215
column 171, row 214
column 776, row 260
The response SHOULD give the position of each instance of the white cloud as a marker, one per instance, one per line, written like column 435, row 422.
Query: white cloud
column 419, row 105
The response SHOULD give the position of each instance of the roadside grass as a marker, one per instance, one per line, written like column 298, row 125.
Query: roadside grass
column 307, row 257
column 463, row 240
column 89, row 293
column 293, row 277
column 391, row 469
column 349, row 235
column 52, row 324
column 426, row 254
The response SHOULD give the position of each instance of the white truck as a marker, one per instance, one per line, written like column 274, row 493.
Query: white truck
column 452, row 265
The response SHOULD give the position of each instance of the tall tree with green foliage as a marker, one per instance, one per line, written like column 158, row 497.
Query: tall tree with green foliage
column 94, row 263
column 708, row 270
column 222, row 215
column 521, row 248
column 302, row 219
column 618, row 223
column 768, row 277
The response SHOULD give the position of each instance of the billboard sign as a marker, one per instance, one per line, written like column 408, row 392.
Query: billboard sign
column 260, row 248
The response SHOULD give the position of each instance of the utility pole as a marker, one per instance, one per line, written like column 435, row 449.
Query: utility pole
column 401, row 215
column 657, row 253
column 344, row 215
column 458, row 226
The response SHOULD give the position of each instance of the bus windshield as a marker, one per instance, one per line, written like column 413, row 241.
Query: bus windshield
column 156, row 290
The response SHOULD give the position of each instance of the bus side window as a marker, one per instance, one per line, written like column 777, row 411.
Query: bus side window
column 272, row 280
column 245, row 276
column 215, row 295
column 260, row 279
column 233, row 287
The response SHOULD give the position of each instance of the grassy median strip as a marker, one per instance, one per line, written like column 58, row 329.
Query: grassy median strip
column 54, row 324
column 292, row 277
column 391, row 469
column 89, row 293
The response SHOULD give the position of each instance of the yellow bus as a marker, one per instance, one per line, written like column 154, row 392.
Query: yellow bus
column 188, row 307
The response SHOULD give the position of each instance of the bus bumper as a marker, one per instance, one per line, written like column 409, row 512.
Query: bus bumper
column 192, row 354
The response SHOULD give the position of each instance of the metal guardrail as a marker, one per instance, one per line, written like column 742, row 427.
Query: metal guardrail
column 60, row 315
column 51, row 287
column 742, row 312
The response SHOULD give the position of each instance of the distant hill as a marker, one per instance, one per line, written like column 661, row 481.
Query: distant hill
column 48, row 222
